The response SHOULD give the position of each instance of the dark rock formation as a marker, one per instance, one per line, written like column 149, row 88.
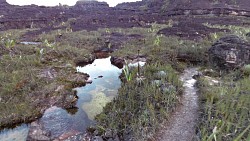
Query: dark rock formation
column 117, row 61
column 85, row 5
column 248, row 34
column 85, row 60
column 92, row 15
column 190, row 30
column 230, row 52
column 3, row 2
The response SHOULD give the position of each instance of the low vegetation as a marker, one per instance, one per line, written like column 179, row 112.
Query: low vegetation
column 225, row 108
column 143, row 103
column 27, row 69
column 145, row 99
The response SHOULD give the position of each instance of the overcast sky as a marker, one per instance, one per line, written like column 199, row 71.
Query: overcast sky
column 56, row 2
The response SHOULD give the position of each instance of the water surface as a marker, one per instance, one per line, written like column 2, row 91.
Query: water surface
column 92, row 98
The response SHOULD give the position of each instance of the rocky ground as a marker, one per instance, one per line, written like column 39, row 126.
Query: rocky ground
column 169, row 31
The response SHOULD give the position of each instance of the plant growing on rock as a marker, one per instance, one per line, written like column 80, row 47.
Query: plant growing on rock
column 127, row 72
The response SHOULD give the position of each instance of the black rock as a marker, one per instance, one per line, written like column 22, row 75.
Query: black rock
column 229, row 52
column 248, row 34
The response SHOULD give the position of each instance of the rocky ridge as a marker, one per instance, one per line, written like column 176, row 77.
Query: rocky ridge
column 94, row 15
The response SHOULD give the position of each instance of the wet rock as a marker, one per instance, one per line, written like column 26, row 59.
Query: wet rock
column 77, row 79
column 135, row 60
column 100, row 76
column 248, row 34
column 83, row 61
column 79, row 137
column 37, row 133
column 103, row 49
column 100, row 55
column 117, row 61
column 230, row 52
column 97, row 138
column 68, row 135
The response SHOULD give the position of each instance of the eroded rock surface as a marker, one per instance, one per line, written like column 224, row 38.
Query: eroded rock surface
column 230, row 52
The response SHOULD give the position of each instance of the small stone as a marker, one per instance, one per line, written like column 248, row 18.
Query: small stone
column 68, row 65
column 59, row 88
column 161, row 73
column 248, row 34
column 98, row 138
column 156, row 82
column 109, row 133
column 100, row 76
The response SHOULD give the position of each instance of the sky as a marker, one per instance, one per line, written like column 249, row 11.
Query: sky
column 56, row 2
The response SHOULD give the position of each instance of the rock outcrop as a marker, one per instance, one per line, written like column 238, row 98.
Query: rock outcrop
column 230, row 52
column 92, row 15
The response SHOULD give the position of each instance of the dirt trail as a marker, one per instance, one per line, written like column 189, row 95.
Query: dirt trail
column 181, row 125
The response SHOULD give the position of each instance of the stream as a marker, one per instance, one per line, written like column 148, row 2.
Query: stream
column 58, row 123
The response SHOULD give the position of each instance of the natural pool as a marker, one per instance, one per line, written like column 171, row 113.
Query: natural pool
column 57, row 122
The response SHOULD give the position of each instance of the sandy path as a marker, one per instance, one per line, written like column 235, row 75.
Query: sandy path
column 181, row 125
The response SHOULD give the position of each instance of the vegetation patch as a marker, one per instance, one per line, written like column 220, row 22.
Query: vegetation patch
column 34, row 77
column 225, row 108
column 143, row 103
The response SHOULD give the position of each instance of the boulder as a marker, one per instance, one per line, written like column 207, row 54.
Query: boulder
column 85, row 60
column 117, row 61
column 229, row 52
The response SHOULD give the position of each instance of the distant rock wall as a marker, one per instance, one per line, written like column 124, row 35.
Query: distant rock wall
column 92, row 15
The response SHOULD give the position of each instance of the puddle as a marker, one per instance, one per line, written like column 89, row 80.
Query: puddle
column 57, row 122
column 181, row 125
column 31, row 43
column 136, row 64
column 19, row 133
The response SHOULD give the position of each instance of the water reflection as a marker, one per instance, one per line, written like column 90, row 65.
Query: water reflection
column 92, row 98
column 56, row 122
column 17, row 134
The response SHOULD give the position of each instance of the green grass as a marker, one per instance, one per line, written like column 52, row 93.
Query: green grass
column 225, row 110
column 240, row 31
column 141, row 106
column 22, row 87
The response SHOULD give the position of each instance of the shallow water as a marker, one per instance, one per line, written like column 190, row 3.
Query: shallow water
column 19, row 133
column 31, row 43
column 92, row 98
